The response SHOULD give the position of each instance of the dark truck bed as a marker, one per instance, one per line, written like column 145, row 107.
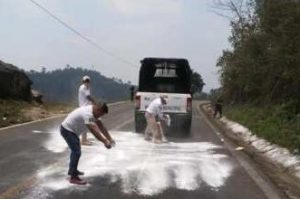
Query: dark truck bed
column 150, row 80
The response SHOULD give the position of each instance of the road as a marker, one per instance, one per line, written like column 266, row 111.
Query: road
column 34, row 159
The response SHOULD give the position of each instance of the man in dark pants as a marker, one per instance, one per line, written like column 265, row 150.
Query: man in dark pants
column 78, row 121
column 131, row 93
column 218, row 108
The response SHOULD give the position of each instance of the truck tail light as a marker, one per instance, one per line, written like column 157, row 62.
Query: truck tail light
column 137, row 102
column 189, row 104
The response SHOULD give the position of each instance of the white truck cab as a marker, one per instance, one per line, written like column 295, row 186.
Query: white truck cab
column 170, row 78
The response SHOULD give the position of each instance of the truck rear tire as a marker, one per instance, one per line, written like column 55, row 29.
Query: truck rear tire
column 186, row 128
column 140, row 122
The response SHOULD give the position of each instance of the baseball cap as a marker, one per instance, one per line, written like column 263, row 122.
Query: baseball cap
column 85, row 78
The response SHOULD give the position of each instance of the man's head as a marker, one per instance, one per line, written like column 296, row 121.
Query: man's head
column 100, row 109
column 86, row 79
column 163, row 100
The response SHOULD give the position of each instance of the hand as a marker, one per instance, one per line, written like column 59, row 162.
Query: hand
column 107, row 144
column 167, row 119
column 165, row 116
column 113, row 143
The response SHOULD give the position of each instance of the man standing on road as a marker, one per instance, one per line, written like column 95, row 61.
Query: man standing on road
column 218, row 107
column 78, row 121
column 84, row 99
column 132, row 93
column 154, row 117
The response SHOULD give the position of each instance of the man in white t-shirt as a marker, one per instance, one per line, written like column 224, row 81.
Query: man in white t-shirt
column 154, row 117
column 82, row 119
column 84, row 99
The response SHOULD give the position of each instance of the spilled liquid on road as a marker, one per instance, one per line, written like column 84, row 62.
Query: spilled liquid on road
column 142, row 167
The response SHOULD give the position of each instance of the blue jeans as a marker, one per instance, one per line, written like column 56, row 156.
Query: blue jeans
column 74, row 144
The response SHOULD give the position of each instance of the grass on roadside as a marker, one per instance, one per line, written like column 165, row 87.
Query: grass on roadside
column 15, row 112
column 59, row 108
column 273, row 123
column 11, row 112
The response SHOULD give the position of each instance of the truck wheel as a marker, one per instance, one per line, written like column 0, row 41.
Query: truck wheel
column 187, row 127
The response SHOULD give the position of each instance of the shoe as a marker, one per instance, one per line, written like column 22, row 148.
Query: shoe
column 79, row 173
column 76, row 180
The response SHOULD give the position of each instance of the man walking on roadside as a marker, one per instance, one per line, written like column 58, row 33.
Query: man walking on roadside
column 131, row 93
column 154, row 117
column 84, row 99
column 78, row 121
column 218, row 108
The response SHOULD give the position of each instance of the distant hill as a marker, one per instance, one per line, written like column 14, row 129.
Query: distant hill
column 62, row 85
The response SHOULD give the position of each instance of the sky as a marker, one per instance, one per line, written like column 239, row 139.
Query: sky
column 128, row 29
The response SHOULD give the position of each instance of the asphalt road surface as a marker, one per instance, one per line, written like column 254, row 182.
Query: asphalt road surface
column 34, row 161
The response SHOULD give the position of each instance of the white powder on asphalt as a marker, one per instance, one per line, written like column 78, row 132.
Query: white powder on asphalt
column 37, row 131
column 141, row 167
column 55, row 143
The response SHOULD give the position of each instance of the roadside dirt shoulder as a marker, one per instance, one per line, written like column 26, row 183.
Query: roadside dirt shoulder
column 14, row 112
column 35, row 113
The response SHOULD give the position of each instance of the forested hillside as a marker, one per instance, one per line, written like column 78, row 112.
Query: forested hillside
column 260, row 73
column 62, row 85
column 263, row 65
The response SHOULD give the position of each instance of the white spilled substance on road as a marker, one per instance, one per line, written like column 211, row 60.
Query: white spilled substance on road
column 56, row 143
column 275, row 153
column 37, row 131
column 141, row 167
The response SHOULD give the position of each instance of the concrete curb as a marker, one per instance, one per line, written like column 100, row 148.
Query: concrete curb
column 31, row 122
column 267, row 186
column 275, row 155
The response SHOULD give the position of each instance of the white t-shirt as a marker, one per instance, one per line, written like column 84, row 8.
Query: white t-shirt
column 83, row 92
column 76, row 121
column 155, row 108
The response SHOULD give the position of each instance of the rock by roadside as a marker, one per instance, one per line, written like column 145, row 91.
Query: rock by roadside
column 281, row 165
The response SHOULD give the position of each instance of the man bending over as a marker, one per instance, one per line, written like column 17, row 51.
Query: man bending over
column 78, row 121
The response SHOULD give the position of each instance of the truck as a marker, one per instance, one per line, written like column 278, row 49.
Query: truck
column 170, row 78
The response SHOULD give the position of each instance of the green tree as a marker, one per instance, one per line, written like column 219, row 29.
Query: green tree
column 197, row 82
column 263, row 64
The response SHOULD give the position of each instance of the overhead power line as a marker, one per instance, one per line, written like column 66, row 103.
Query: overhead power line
column 83, row 36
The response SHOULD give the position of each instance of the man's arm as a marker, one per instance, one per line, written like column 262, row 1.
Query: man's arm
column 89, row 96
column 160, row 114
column 104, row 130
column 91, row 99
column 95, row 131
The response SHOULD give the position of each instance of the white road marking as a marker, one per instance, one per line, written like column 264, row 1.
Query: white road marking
column 37, row 131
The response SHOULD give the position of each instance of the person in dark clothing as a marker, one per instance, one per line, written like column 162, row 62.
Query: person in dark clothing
column 218, row 108
column 132, row 93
